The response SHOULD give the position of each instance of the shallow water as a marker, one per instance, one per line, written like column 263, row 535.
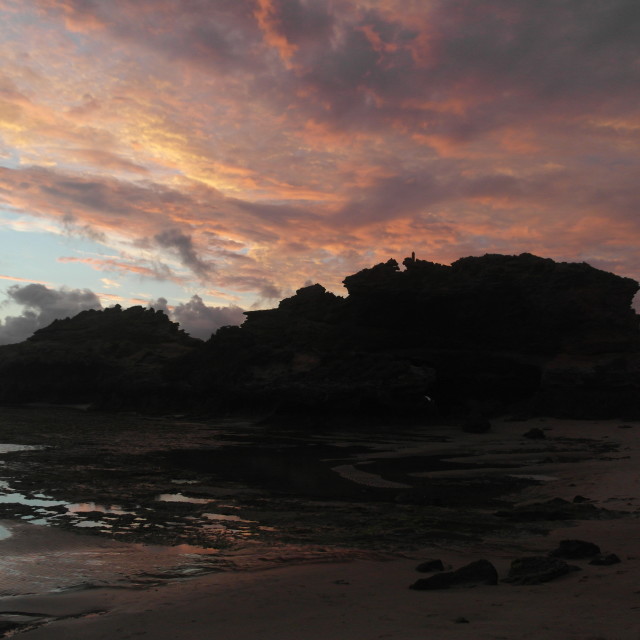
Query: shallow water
column 10, row 448
column 37, row 556
column 179, row 497
column 41, row 559
column 135, row 496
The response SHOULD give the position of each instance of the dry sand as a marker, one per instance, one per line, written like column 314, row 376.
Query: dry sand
column 367, row 600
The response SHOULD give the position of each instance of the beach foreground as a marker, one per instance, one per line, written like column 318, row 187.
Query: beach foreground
column 368, row 599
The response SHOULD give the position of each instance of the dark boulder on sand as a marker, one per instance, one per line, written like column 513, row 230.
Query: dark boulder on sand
column 7, row 627
column 575, row 549
column 480, row 572
column 605, row 559
column 427, row 566
column 476, row 425
column 537, row 569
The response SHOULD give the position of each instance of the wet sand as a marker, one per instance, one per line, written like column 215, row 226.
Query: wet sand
column 361, row 600
column 365, row 598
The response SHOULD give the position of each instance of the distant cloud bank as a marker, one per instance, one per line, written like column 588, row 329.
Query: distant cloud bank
column 198, row 319
column 42, row 305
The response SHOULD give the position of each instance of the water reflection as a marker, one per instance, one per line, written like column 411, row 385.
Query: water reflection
column 10, row 448
column 221, row 516
column 179, row 497
column 87, row 524
column 19, row 498
column 40, row 559
column 88, row 507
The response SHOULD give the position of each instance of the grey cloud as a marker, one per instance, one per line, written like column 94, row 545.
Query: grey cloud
column 302, row 22
column 270, row 292
column 411, row 194
column 93, row 195
column 183, row 244
column 160, row 305
column 75, row 228
column 392, row 197
column 205, row 33
column 266, row 289
column 516, row 61
column 522, row 59
column 280, row 214
column 199, row 319
column 18, row 328
column 492, row 185
column 42, row 307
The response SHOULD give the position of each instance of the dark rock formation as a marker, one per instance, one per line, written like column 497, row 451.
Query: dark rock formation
column 501, row 328
column 476, row 573
column 537, row 569
column 534, row 434
column 557, row 509
column 113, row 358
column 430, row 565
column 605, row 560
column 482, row 336
column 575, row 549
column 476, row 425
column 476, row 337
column 520, row 303
column 8, row 626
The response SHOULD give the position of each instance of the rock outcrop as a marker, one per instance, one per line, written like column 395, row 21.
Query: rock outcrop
column 113, row 358
column 476, row 573
column 537, row 569
column 482, row 336
column 473, row 338
column 575, row 549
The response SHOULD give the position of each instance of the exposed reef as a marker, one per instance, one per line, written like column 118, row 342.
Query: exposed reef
column 112, row 358
column 484, row 335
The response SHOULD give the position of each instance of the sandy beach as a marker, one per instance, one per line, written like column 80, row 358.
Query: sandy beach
column 366, row 599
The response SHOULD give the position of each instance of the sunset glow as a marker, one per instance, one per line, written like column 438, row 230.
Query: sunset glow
column 221, row 154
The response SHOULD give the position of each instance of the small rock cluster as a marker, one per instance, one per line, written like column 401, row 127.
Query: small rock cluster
column 524, row 571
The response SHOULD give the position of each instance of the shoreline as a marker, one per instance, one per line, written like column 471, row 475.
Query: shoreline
column 370, row 599
column 359, row 599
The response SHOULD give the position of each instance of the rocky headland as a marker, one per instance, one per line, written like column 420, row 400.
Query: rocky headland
column 482, row 336
column 113, row 357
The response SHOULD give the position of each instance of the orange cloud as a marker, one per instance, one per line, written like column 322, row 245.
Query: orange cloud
column 281, row 142
column 266, row 16
column 14, row 279
column 110, row 264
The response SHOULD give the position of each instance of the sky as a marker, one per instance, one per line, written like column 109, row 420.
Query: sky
column 212, row 156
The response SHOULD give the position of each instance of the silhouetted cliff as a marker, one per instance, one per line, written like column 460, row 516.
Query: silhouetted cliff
column 114, row 358
column 478, row 336
column 484, row 335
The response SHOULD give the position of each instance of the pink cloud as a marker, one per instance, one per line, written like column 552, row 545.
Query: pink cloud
column 14, row 279
column 251, row 145
column 160, row 272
